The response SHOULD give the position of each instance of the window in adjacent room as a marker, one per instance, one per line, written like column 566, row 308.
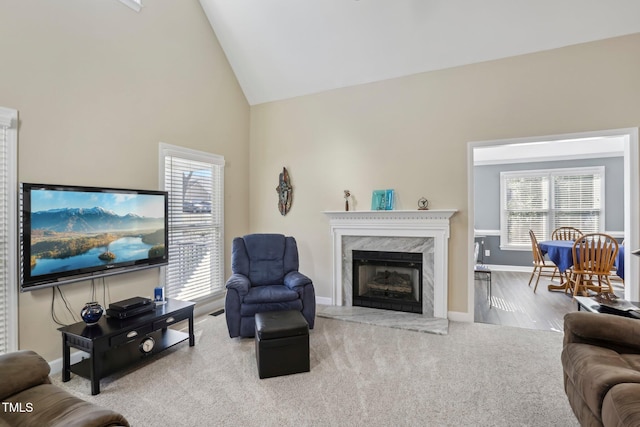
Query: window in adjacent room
column 195, row 182
column 543, row 200
column 8, row 227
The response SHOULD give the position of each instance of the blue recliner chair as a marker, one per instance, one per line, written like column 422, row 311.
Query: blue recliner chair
column 264, row 278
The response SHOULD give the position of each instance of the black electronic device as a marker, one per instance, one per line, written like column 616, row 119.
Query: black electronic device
column 132, row 312
column 73, row 233
column 130, row 304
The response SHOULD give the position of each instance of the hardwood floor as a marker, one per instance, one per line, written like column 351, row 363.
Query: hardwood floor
column 513, row 302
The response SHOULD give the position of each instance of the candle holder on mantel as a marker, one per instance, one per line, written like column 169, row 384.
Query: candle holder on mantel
column 347, row 194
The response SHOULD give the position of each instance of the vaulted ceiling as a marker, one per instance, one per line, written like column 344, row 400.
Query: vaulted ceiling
column 281, row 49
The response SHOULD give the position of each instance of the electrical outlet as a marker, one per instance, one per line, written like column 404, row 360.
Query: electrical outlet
column 487, row 252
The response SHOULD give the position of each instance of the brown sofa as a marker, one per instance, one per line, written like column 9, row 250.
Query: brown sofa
column 601, row 364
column 29, row 399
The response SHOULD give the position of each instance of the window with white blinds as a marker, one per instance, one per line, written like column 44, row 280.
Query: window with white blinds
column 544, row 200
column 8, row 227
column 195, row 182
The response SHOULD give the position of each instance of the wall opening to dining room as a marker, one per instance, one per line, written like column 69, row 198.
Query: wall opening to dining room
column 617, row 148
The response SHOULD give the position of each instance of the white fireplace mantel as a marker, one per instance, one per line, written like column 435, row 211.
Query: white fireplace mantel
column 395, row 223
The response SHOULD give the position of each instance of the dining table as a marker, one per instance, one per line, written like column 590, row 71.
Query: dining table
column 561, row 253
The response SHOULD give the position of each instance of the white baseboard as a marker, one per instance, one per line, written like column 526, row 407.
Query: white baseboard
column 324, row 300
column 457, row 316
column 77, row 356
column 517, row 268
column 208, row 307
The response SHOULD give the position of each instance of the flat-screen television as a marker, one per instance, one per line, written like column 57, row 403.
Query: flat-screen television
column 71, row 233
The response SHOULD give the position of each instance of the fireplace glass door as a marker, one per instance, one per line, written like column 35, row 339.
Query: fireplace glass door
column 388, row 280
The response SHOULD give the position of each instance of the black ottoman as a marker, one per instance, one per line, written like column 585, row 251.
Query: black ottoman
column 282, row 343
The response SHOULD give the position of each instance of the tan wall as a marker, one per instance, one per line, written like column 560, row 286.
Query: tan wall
column 97, row 87
column 411, row 134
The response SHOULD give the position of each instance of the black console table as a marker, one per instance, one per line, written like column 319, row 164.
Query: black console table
column 115, row 344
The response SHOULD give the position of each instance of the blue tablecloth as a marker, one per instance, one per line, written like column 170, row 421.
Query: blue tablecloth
column 561, row 253
column 558, row 251
column 620, row 262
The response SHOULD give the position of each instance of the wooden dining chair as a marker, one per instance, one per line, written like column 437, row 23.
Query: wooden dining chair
column 541, row 267
column 593, row 258
column 566, row 233
column 613, row 275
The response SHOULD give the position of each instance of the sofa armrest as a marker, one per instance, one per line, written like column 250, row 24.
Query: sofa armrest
column 21, row 370
column 53, row 406
column 240, row 283
column 293, row 279
column 618, row 333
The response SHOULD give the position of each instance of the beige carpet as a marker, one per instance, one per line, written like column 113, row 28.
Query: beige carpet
column 361, row 375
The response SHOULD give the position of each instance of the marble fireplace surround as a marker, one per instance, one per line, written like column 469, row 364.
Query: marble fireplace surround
column 425, row 231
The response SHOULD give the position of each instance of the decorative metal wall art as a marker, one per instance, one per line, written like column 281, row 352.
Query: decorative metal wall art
column 285, row 192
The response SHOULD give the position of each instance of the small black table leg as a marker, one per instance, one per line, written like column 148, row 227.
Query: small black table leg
column 94, row 372
column 66, row 360
column 192, row 338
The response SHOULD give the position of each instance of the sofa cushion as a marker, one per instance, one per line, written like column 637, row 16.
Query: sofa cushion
column 594, row 370
column 621, row 406
column 21, row 370
column 250, row 310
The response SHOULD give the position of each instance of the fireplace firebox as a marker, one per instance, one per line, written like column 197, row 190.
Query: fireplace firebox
column 387, row 280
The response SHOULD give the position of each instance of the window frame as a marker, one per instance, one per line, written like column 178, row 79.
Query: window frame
column 550, row 209
column 9, row 120
column 166, row 151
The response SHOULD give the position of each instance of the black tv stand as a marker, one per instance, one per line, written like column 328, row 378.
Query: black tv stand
column 115, row 344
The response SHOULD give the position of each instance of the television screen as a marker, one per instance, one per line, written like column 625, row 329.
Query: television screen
column 71, row 233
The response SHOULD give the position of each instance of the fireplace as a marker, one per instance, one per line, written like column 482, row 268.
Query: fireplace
column 419, row 231
column 387, row 280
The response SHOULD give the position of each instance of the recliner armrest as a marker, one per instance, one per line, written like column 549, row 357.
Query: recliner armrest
column 239, row 282
column 618, row 333
column 293, row 279
column 21, row 370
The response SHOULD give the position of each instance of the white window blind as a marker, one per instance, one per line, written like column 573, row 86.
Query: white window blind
column 8, row 227
column 195, row 182
column 577, row 201
column 527, row 207
column 547, row 199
